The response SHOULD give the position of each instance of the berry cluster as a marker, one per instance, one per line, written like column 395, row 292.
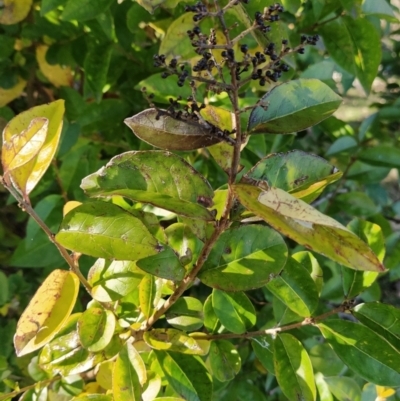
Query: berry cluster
column 199, row 8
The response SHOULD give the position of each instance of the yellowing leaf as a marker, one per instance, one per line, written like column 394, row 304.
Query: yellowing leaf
column 49, row 308
column 384, row 392
column 70, row 206
column 13, row 11
column 25, row 146
column 27, row 176
column 8, row 95
column 56, row 74
column 309, row 227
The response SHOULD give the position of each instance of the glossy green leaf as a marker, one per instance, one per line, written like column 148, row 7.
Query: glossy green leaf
column 159, row 178
column 126, row 384
column 325, row 360
column 112, row 280
column 263, row 348
column 165, row 264
column 308, row 227
column 302, row 174
column 169, row 133
column 344, row 388
column 183, row 241
column 83, row 10
column 355, row 45
column 364, row 351
column 104, row 230
column 244, row 258
column 172, row 340
column 25, row 178
column 293, row 368
column 295, row 288
column 224, row 360
column 383, row 319
column 187, row 375
column 211, row 322
column 379, row 8
column 381, row 155
column 148, row 295
column 96, row 327
column 293, row 106
column 283, row 314
column 234, row 310
column 323, row 388
column 308, row 260
column 47, row 311
column 186, row 314
column 343, row 144
column 355, row 282
column 65, row 354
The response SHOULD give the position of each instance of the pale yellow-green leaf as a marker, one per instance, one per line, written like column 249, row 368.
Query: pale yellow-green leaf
column 8, row 95
column 104, row 374
column 309, row 227
column 49, row 308
column 25, row 178
column 13, row 11
column 70, row 206
column 23, row 147
column 172, row 340
column 56, row 74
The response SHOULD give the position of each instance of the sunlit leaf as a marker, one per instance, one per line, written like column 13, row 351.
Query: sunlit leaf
column 8, row 95
column 293, row 106
column 308, row 227
column 47, row 311
column 186, row 314
column 13, row 11
column 224, row 360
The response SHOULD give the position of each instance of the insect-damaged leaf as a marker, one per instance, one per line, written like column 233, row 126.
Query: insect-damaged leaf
column 308, row 227
column 105, row 230
column 302, row 174
column 160, row 178
column 25, row 178
column 169, row 133
column 49, row 308
column 293, row 106
column 244, row 258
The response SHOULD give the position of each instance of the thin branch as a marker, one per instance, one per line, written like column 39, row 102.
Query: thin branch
column 275, row 330
column 36, row 386
column 27, row 207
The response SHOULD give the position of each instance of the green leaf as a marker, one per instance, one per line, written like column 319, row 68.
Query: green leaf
column 112, row 280
column 355, row 282
column 293, row 368
column 126, row 384
column 343, row 144
column 160, row 178
column 302, row 174
column 234, row 310
column 323, row 388
column 96, row 66
column 244, row 258
column 381, row 155
column 172, row 340
column 344, row 388
column 187, row 375
column 379, row 8
column 165, row 264
column 293, row 106
column 148, row 295
column 382, row 319
column 295, row 288
column 47, row 311
column 96, row 328
column 36, row 159
column 83, row 10
column 93, row 397
column 50, row 5
column 308, row 260
column 308, row 227
column 364, row 351
column 263, row 348
column 355, row 45
column 104, row 230
column 65, row 354
column 211, row 322
column 325, row 360
column 186, row 314
column 224, row 360
column 168, row 133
